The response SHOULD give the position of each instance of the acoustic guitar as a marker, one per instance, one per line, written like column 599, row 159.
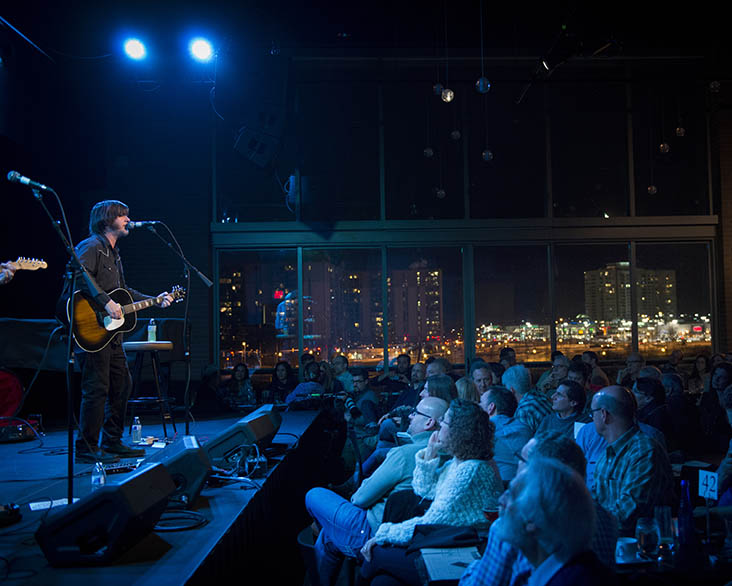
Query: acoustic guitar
column 93, row 327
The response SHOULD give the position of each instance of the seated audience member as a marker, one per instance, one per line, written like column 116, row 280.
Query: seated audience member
column 399, row 375
column 507, row 357
column 715, row 427
column 397, row 417
column 699, row 379
column 650, row 397
column 467, row 390
column 305, row 359
column 725, row 468
column 309, row 386
column 365, row 398
column 719, row 359
column 548, row 515
column 283, row 382
column 633, row 475
column 238, row 391
column 511, row 434
column 460, row 488
column 568, row 406
column 683, row 413
column 547, row 373
column 626, row 376
column 503, row 564
column 497, row 371
column 436, row 366
column 559, row 371
column 346, row 526
column 340, row 369
column 482, row 376
column 532, row 405
column 598, row 378
column 580, row 372
column 328, row 379
column 649, row 371
column 441, row 386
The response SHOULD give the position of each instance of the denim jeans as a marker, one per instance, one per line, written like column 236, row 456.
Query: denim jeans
column 345, row 530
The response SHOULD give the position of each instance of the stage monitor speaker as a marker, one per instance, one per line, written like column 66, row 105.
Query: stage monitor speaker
column 259, row 427
column 107, row 522
column 188, row 464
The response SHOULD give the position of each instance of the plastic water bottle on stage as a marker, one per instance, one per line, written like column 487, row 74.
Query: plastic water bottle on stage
column 136, row 431
column 152, row 331
column 98, row 476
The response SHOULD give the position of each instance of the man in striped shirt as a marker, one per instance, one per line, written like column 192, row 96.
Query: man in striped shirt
column 532, row 405
column 633, row 475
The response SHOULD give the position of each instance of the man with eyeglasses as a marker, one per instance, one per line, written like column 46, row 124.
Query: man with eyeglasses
column 347, row 526
column 628, row 375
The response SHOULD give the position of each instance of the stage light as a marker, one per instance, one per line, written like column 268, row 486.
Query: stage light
column 135, row 49
column 201, row 49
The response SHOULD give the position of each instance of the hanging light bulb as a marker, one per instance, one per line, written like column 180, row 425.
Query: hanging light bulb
column 680, row 131
column 483, row 86
column 652, row 190
column 428, row 152
column 455, row 135
column 448, row 95
column 440, row 193
column 437, row 89
column 664, row 148
column 487, row 155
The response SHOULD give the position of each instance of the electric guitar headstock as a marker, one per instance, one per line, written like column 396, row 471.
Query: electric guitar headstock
column 29, row 264
column 178, row 293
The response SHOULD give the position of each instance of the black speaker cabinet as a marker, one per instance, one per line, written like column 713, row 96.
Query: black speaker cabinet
column 188, row 464
column 107, row 522
column 258, row 427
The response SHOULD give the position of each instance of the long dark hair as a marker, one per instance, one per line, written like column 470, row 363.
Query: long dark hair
column 104, row 213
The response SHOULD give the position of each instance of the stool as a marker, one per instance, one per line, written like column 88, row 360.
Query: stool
column 140, row 349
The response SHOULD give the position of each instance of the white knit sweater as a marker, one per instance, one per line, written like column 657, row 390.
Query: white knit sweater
column 459, row 493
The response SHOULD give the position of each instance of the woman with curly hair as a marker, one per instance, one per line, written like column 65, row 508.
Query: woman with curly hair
column 462, row 487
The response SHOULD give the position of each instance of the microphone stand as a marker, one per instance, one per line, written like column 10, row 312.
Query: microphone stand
column 73, row 269
column 186, row 338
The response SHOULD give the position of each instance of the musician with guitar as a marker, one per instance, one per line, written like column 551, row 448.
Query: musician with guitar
column 106, row 380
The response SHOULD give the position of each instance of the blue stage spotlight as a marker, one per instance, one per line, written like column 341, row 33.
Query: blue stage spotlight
column 135, row 49
column 201, row 49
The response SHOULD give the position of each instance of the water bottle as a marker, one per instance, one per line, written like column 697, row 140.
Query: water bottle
column 98, row 476
column 152, row 331
column 688, row 552
column 136, row 431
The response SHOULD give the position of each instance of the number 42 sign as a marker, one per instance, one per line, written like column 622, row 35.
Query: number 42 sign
column 708, row 482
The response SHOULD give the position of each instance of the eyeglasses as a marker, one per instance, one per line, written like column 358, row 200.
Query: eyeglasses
column 592, row 411
column 442, row 421
column 415, row 411
column 519, row 457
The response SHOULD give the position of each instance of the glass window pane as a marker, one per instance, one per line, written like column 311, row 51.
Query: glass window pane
column 514, row 135
column 426, row 303
column 512, row 302
column 669, row 148
column 674, row 307
column 592, row 292
column 342, row 305
column 421, row 154
column 589, row 149
column 257, row 324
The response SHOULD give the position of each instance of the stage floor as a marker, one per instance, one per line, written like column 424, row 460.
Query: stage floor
column 31, row 474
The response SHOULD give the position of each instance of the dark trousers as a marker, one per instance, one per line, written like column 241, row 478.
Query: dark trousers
column 392, row 566
column 105, row 388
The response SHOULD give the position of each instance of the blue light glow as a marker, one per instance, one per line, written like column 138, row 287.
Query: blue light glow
column 201, row 49
column 135, row 49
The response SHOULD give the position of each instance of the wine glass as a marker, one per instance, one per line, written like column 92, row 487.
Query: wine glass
column 648, row 535
column 666, row 531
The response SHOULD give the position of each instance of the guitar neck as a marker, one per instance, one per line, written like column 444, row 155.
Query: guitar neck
column 138, row 305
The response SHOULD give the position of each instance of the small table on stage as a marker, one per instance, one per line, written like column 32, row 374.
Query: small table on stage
column 140, row 349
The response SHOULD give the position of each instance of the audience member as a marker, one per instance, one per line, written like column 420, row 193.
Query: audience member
column 502, row 564
column 650, row 397
column 715, row 427
column 340, row 368
column 507, row 357
column 699, row 379
column 633, row 474
column 365, row 398
column 547, row 373
column 347, row 526
column 718, row 359
column 309, row 387
column 328, row 379
column 598, row 378
column 532, row 406
column 482, row 377
column 683, row 413
column 649, row 371
column 283, row 381
column 559, row 371
column 238, row 391
column 436, row 366
column 466, row 389
column 461, row 488
column 725, row 468
column 580, row 372
column 511, row 434
column 568, row 405
column 439, row 385
column 626, row 376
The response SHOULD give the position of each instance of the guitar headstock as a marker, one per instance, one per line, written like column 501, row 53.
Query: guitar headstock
column 178, row 293
column 30, row 264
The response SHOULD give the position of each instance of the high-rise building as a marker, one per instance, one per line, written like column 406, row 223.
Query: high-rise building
column 415, row 301
column 607, row 292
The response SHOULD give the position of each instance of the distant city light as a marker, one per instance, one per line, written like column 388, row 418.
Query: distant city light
column 201, row 49
column 135, row 49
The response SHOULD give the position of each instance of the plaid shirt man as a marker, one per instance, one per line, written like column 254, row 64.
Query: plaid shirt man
column 532, row 408
column 632, row 476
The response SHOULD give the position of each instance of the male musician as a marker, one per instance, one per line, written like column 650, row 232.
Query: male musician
column 105, row 379
column 7, row 270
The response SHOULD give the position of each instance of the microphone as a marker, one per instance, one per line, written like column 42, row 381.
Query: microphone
column 141, row 223
column 15, row 177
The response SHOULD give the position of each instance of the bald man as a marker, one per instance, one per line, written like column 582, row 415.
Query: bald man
column 633, row 475
column 346, row 527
